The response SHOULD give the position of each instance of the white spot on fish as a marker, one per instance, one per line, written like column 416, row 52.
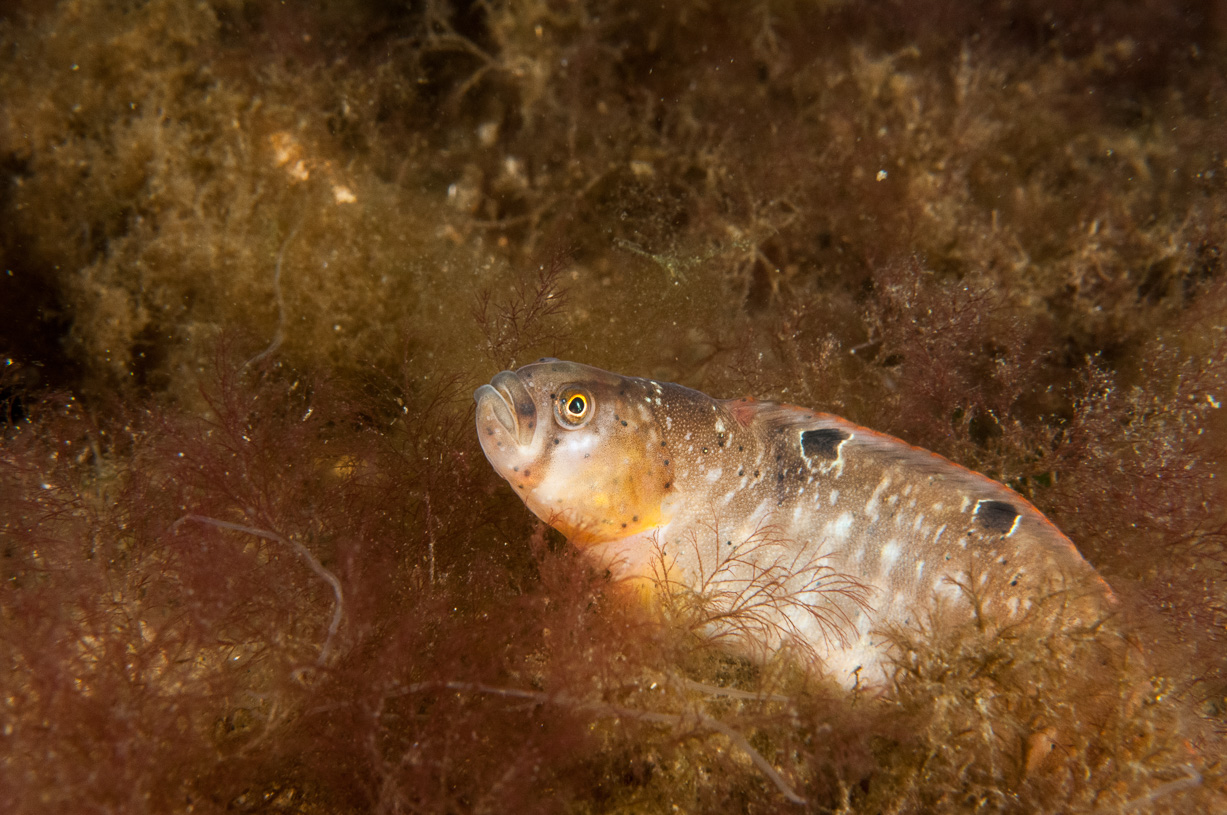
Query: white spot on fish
column 948, row 589
column 966, row 504
column 668, row 423
column 920, row 519
column 871, row 506
column 714, row 475
column 719, row 426
column 759, row 511
column 889, row 554
column 938, row 534
column 840, row 527
column 920, row 568
column 834, row 496
column 863, row 625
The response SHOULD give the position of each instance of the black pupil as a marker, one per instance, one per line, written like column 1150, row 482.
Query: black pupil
column 576, row 405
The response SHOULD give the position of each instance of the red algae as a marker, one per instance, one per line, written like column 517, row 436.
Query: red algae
column 255, row 258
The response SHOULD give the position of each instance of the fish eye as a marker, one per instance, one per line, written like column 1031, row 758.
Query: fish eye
column 573, row 408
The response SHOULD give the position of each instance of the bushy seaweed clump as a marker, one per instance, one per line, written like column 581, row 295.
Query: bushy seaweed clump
column 256, row 256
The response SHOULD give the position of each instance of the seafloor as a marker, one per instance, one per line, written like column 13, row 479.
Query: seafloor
column 255, row 256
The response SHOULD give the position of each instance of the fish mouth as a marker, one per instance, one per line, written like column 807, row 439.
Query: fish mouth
column 507, row 400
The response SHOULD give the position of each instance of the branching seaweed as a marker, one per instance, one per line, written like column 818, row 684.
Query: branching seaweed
column 756, row 593
column 688, row 721
column 338, row 610
column 526, row 317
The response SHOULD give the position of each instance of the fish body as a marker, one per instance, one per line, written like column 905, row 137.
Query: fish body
column 798, row 528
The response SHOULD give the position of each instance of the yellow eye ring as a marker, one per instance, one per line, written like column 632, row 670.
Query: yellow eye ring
column 573, row 408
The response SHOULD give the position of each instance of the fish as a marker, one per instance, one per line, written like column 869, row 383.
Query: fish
column 795, row 529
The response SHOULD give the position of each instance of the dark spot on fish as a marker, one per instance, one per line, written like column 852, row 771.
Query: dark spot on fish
column 668, row 484
column 756, row 473
column 823, row 443
column 741, row 472
column 624, row 424
column 635, row 518
column 728, row 543
column 704, row 451
column 996, row 516
column 1014, row 582
column 515, row 469
column 666, row 462
column 624, row 526
column 740, row 448
column 553, row 396
column 527, row 472
column 662, row 444
column 555, row 441
column 490, row 432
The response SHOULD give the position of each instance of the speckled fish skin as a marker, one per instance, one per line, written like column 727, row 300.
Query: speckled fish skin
column 798, row 528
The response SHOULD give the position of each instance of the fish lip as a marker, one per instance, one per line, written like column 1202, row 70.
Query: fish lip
column 489, row 397
column 511, row 404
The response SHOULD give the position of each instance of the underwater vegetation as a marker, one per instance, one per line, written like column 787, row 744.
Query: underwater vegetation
column 256, row 256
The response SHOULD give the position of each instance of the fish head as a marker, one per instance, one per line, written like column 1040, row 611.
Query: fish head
column 580, row 446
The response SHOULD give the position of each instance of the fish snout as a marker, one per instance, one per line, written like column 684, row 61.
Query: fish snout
column 508, row 402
